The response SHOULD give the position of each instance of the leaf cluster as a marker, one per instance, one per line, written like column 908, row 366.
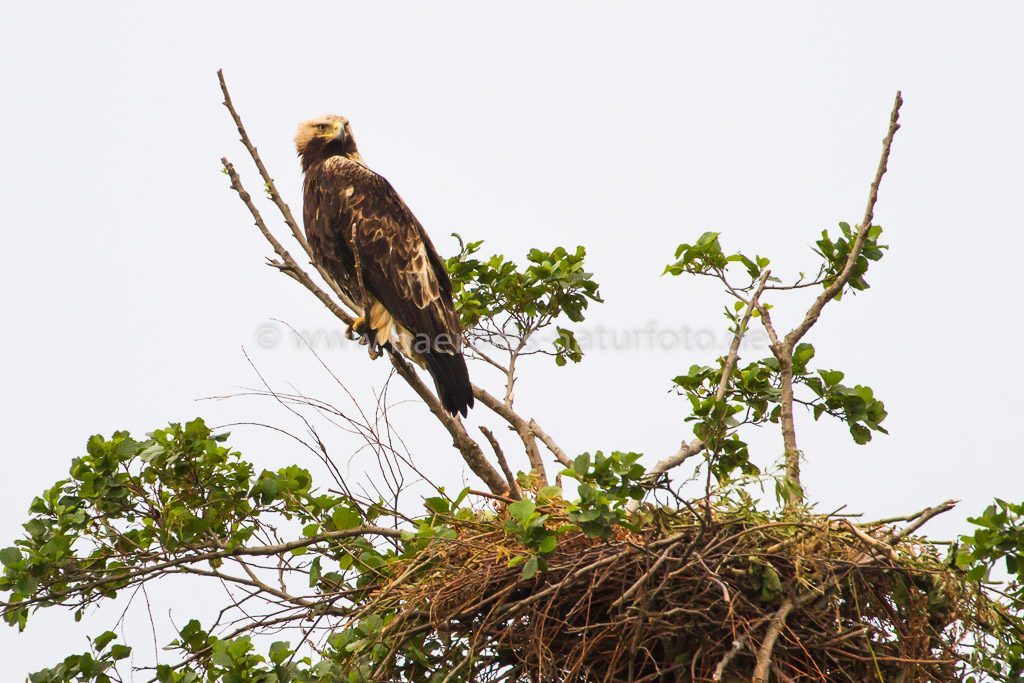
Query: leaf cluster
column 504, row 305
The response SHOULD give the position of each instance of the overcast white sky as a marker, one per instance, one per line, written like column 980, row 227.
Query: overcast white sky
column 133, row 276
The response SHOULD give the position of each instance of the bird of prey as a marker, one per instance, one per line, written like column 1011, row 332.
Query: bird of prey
column 362, row 233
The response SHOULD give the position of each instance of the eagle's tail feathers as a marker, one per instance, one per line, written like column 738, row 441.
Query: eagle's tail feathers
column 451, row 379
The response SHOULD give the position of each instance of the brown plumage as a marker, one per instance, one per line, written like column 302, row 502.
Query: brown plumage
column 403, row 288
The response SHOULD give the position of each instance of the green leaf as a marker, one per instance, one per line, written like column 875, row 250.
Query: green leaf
column 438, row 505
column 548, row 544
column 530, row 568
column 118, row 651
column 103, row 640
column 345, row 518
column 861, row 434
column 521, row 510
column 9, row 556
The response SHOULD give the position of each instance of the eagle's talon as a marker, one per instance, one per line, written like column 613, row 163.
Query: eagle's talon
column 358, row 329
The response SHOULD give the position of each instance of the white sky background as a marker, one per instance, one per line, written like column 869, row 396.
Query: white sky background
column 133, row 276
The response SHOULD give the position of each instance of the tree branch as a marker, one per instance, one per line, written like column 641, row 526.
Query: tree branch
column 275, row 196
column 688, row 450
column 764, row 653
column 287, row 265
column 559, row 454
column 469, row 448
column 520, row 426
column 215, row 555
column 513, row 490
column 862, row 233
column 737, row 338
column 784, row 351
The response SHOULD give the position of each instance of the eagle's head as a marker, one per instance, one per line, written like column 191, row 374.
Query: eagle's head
column 324, row 137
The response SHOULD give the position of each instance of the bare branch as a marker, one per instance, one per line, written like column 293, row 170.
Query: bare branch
column 287, row 265
column 862, row 233
column 513, row 490
column 784, row 351
column 559, row 454
column 921, row 518
column 520, row 426
column 469, row 448
column 275, row 196
column 737, row 645
column 685, row 452
column 764, row 653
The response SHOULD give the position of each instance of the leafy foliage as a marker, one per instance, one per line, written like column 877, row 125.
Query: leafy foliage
column 606, row 486
column 836, row 253
column 998, row 544
column 503, row 305
column 753, row 394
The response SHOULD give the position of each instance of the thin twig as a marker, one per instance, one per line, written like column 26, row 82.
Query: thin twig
column 737, row 645
column 287, row 264
column 513, row 489
column 469, row 448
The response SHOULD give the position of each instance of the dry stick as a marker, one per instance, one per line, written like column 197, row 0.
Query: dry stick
column 520, row 426
column 287, row 264
column 737, row 645
column 484, row 494
column 513, row 490
column 784, row 351
column 275, row 196
column 782, row 677
column 920, row 519
column 764, row 653
column 646, row 575
column 778, row 620
column 881, row 547
column 469, row 448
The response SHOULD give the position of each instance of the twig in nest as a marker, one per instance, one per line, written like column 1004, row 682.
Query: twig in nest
column 764, row 653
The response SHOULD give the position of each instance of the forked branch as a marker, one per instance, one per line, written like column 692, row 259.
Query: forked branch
column 783, row 350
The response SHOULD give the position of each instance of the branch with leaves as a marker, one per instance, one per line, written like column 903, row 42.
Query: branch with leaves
column 764, row 391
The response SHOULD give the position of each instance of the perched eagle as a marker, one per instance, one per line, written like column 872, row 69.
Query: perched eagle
column 363, row 234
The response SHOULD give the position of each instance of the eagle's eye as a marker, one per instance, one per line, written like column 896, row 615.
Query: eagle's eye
column 321, row 126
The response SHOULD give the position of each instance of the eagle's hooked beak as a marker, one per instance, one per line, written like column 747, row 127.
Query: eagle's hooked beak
column 339, row 132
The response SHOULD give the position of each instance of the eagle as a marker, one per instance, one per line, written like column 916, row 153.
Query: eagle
column 362, row 233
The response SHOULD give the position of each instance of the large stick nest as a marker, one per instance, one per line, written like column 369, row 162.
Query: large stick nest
column 686, row 598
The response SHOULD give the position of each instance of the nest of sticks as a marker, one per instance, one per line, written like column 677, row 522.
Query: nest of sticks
column 728, row 596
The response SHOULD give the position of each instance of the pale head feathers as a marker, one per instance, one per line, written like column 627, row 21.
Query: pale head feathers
column 324, row 129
